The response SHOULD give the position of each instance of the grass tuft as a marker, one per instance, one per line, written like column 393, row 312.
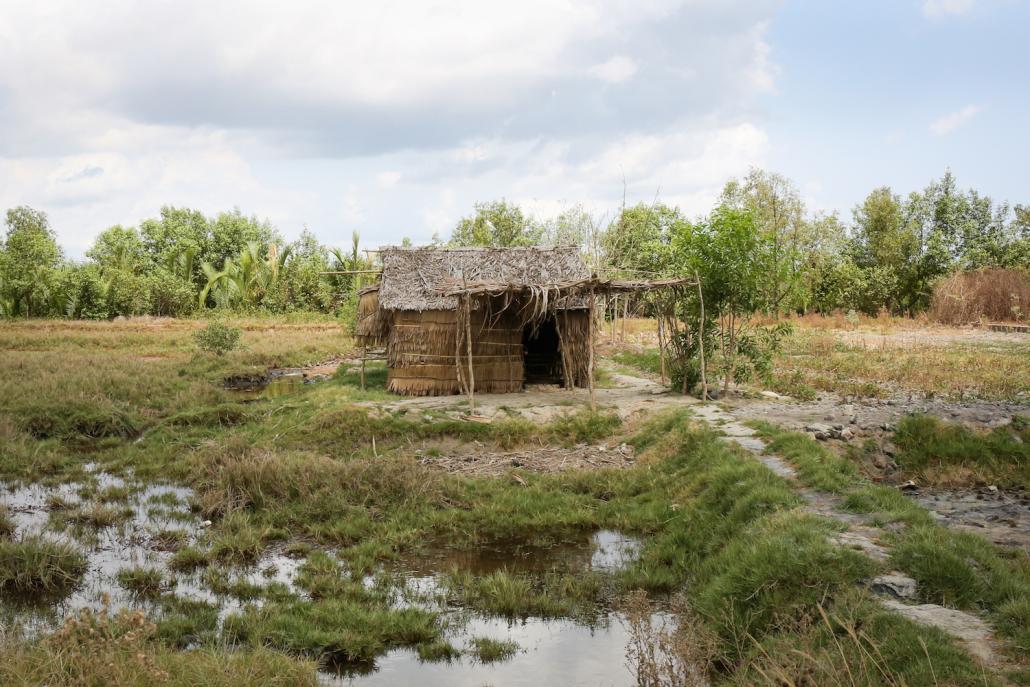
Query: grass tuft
column 34, row 566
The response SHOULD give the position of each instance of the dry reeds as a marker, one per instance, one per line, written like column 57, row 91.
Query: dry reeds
column 992, row 294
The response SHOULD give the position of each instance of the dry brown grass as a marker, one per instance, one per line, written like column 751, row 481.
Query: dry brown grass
column 988, row 370
column 1000, row 295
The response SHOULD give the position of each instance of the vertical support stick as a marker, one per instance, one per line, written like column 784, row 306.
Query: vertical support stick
column 590, row 356
column 364, row 354
column 468, row 348
column 701, row 339
column 661, row 345
column 625, row 316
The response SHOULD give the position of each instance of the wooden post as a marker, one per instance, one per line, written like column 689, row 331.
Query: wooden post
column 701, row 339
column 468, row 348
column 661, row 345
column 625, row 316
column 364, row 354
column 590, row 355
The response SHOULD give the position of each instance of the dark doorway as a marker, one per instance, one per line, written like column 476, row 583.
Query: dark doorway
column 543, row 353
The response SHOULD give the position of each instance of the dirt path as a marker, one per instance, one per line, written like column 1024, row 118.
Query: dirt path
column 628, row 396
column 895, row 588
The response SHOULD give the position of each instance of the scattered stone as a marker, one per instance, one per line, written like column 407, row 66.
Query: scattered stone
column 973, row 632
column 909, row 486
column 993, row 489
column 894, row 584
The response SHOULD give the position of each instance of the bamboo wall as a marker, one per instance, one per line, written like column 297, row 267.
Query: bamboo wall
column 421, row 346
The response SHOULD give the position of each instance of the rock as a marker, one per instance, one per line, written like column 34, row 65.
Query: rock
column 847, row 435
column 829, row 418
column 887, row 427
column 993, row 489
column 973, row 632
column 853, row 420
column 909, row 486
column 894, row 584
column 773, row 395
column 889, row 449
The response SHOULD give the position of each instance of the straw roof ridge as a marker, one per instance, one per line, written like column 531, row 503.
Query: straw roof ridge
column 414, row 278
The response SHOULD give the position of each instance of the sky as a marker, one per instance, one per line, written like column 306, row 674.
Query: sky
column 394, row 117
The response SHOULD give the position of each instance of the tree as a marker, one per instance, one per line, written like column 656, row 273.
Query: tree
column 571, row 227
column 177, row 230
column 778, row 212
column 725, row 251
column 639, row 241
column 119, row 248
column 30, row 257
column 497, row 223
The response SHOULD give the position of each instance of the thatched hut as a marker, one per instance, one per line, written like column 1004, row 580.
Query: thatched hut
column 456, row 318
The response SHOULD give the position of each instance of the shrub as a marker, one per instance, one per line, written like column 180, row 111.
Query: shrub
column 217, row 338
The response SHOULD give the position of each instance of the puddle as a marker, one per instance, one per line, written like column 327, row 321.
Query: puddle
column 274, row 385
column 602, row 551
column 550, row 653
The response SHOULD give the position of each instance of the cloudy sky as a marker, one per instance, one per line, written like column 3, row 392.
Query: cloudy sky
column 394, row 117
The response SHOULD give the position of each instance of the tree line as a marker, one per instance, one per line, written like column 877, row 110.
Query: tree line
column 887, row 257
column 172, row 265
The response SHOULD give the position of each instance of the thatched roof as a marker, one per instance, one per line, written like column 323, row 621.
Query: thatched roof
column 416, row 278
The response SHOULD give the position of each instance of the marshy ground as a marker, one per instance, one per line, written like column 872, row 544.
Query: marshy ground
column 158, row 526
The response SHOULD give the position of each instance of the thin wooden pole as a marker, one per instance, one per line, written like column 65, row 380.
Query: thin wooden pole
column 701, row 339
column 468, row 348
column 625, row 316
column 661, row 345
column 590, row 356
column 364, row 354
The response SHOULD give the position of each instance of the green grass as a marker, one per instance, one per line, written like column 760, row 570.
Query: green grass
column 143, row 583
column 7, row 525
column 646, row 359
column 1000, row 456
column 816, row 466
column 963, row 570
column 436, row 651
column 346, row 631
column 552, row 595
column 34, row 567
column 487, row 650
column 820, row 468
column 954, row 569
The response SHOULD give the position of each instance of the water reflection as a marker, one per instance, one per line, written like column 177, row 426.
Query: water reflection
column 559, row 652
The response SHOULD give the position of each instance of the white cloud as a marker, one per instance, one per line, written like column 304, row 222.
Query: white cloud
column 615, row 69
column 394, row 116
column 949, row 122
column 937, row 8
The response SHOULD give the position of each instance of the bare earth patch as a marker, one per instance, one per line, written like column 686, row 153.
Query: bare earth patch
column 540, row 460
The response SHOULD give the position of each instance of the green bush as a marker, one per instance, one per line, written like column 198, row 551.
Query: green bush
column 217, row 338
